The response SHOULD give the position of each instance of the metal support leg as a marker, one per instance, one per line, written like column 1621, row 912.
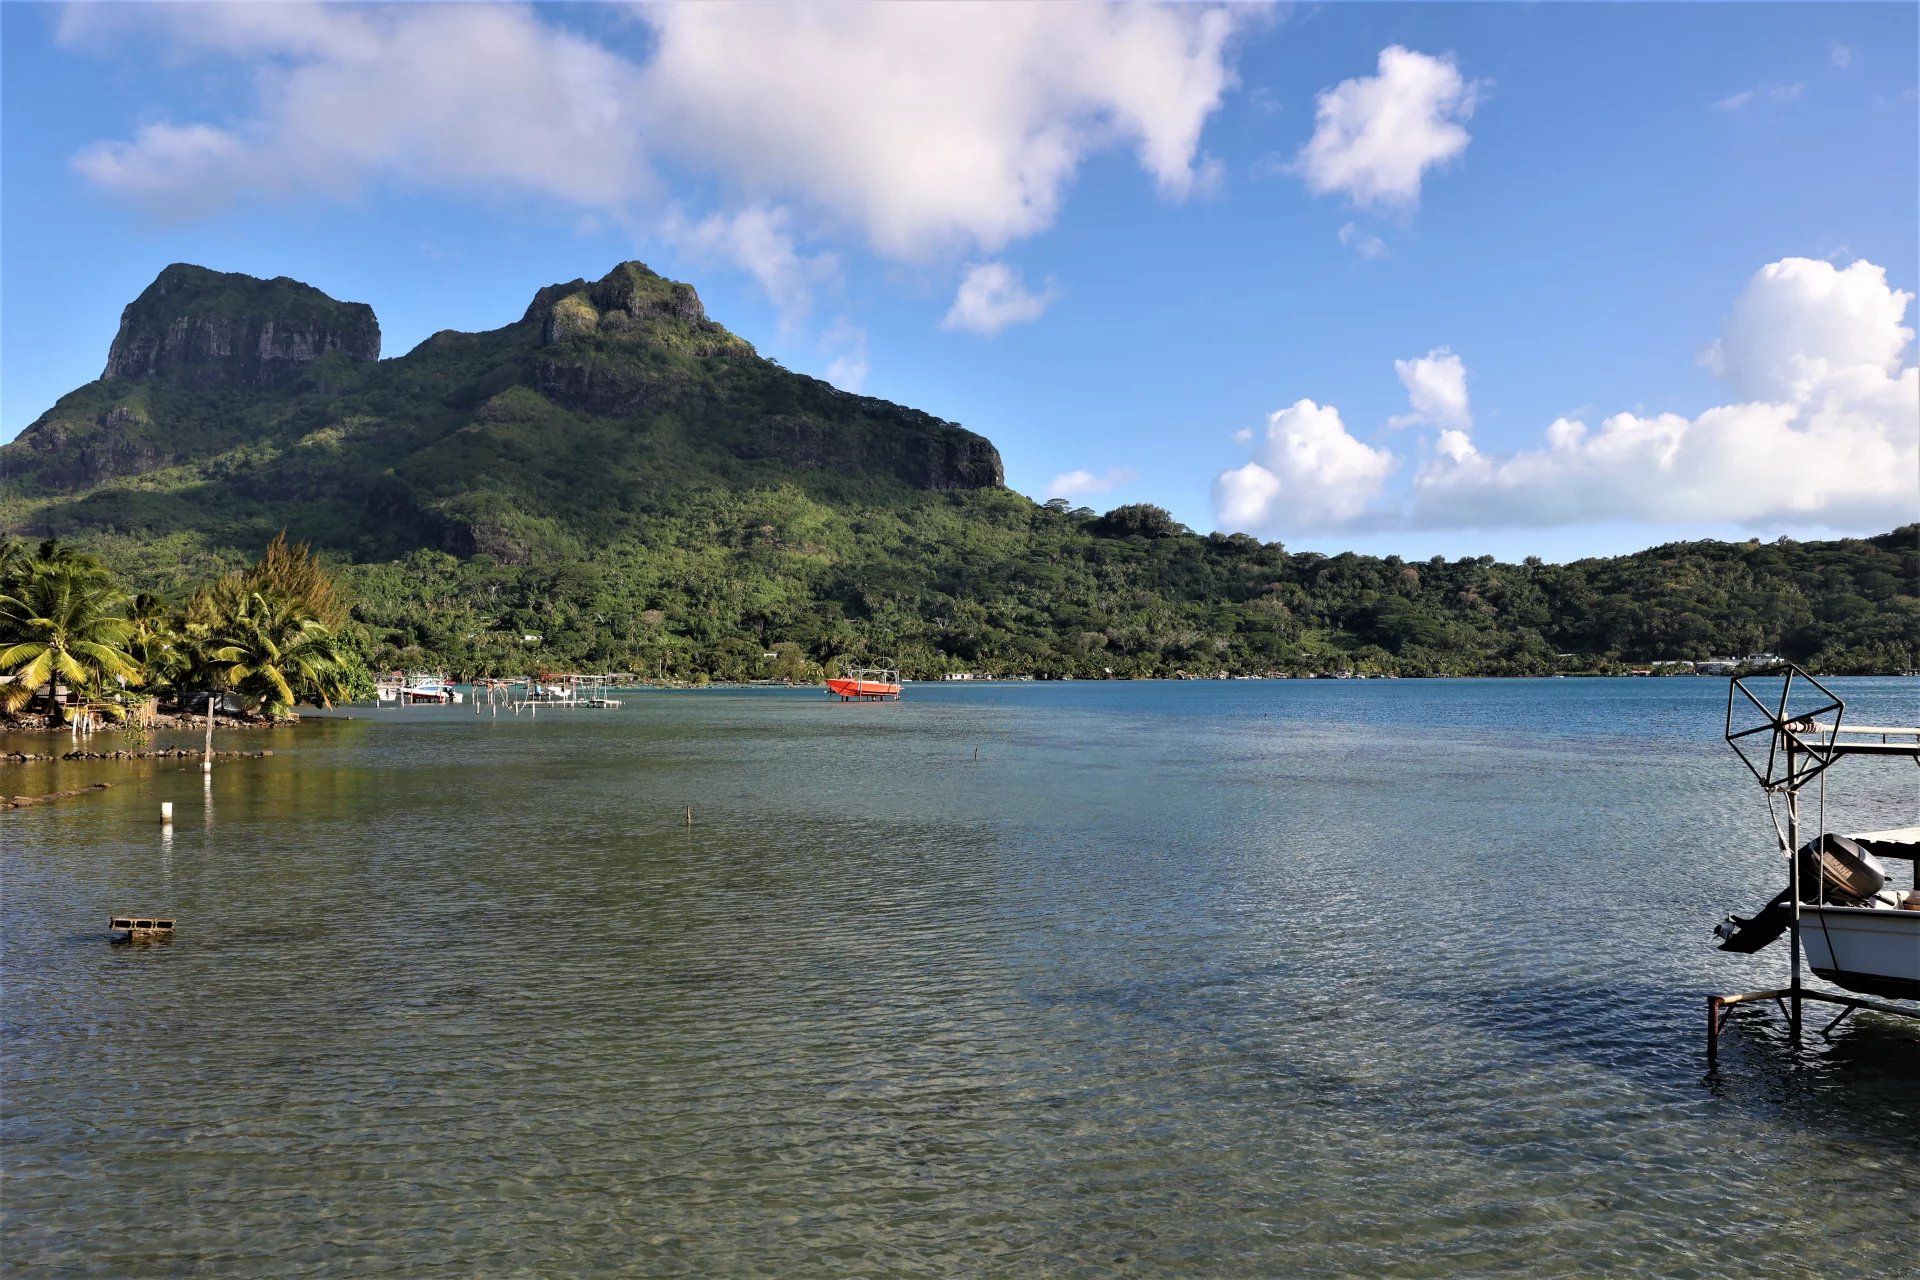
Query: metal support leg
column 1826, row 1032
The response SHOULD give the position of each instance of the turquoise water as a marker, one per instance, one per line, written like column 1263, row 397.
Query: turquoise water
column 1216, row 979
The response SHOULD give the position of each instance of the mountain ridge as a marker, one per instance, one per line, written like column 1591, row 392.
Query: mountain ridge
column 611, row 364
column 621, row 476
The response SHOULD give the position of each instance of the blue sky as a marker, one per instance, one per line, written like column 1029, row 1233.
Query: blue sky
column 1176, row 225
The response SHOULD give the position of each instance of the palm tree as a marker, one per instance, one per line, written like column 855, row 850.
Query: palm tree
column 15, row 563
column 273, row 653
column 157, row 640
column 64, row 621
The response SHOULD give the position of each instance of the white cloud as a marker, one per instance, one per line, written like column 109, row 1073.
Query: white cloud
column 1079, row 483
column 1309, row 473
column 992, row 296
column 1362, row 242
column 1800, row 319
column 189, row 169
column 1436, row 386
column 1762, row 92
column 1840, row 56
column 759, row 241
column 924, row 128
column 848, row 369
column 447, row 95
column 936, row 126
column 1375, row 137
column 1846, row 460
column 1245, row 497
column 1826, row 432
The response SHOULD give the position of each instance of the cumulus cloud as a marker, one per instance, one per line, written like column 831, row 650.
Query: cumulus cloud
column 444, row 94
column 1376, row 136
column 1308, row 473
column 1840, row 56
column 1799, row 320
column 935, row 126
column 1080, row 483
column 1844, row 461
column 924, row 129
column 1436, row 386
column 992, row 295
column 1826, row 432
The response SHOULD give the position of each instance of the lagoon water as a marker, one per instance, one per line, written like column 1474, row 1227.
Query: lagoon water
column 1249, row 979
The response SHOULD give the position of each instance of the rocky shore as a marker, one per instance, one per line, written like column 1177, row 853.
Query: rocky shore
column 27, row 802
column 138, row 753
column 184, row 720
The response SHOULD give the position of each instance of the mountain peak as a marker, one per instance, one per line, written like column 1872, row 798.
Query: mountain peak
column 464, row 440
column 632, row 296
column 224, row 327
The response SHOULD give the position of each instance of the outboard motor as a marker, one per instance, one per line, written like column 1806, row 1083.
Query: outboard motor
column 1832, row 869
column 1848, row 872
column 1747, row 934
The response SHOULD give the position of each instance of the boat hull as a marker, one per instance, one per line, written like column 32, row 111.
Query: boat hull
column 868, row 689
column 1874, row 951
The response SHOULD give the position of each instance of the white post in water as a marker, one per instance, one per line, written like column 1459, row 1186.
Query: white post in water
column 1793, row 883
column 206, row 758
column 166, row 813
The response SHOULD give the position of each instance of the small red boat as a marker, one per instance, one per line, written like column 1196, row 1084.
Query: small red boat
column 866, row 684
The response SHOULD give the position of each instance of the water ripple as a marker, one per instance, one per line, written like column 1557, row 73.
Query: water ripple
column 1214, row 981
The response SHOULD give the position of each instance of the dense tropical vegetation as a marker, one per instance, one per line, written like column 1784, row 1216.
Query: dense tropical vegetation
column 614, row 482
column 73, row 641
column 993, row 584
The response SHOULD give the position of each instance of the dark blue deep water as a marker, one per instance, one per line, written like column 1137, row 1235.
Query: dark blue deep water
column 1216, row 979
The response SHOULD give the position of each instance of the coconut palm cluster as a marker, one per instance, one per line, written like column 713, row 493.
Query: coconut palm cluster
column 74, row 642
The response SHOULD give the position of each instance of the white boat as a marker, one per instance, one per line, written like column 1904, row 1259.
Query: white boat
column 1873, row 950
column 1840, row 909
column 411, row 689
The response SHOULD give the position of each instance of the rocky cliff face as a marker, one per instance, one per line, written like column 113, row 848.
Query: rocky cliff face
column 634, row 344
column 629, row 300
column 221, row 328
column 881, row 437
column 270, row 391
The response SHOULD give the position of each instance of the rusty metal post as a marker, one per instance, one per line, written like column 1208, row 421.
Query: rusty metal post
column 1713, row 1034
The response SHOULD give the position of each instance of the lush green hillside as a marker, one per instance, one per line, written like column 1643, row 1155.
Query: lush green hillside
column 623, row 478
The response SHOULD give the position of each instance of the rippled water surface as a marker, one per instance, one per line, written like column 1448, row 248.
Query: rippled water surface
column 1377, row 978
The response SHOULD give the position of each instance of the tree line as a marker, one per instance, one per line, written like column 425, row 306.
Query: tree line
column 273, row 635
column 773, row 582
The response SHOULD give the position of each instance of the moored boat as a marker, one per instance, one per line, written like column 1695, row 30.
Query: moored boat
column 866, row 684
column 1840, row 910
column 412, row 688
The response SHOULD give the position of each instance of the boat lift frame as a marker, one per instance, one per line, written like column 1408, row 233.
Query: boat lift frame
column 883, row 675
column 1799, row 747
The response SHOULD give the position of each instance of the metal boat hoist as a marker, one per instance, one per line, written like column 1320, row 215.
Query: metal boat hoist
column 1786, row 743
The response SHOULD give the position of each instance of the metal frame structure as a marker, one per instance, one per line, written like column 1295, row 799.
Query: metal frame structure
column 1800, row 746
column 871, row 675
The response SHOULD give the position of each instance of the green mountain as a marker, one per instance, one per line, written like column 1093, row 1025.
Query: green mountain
column 626, row 481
